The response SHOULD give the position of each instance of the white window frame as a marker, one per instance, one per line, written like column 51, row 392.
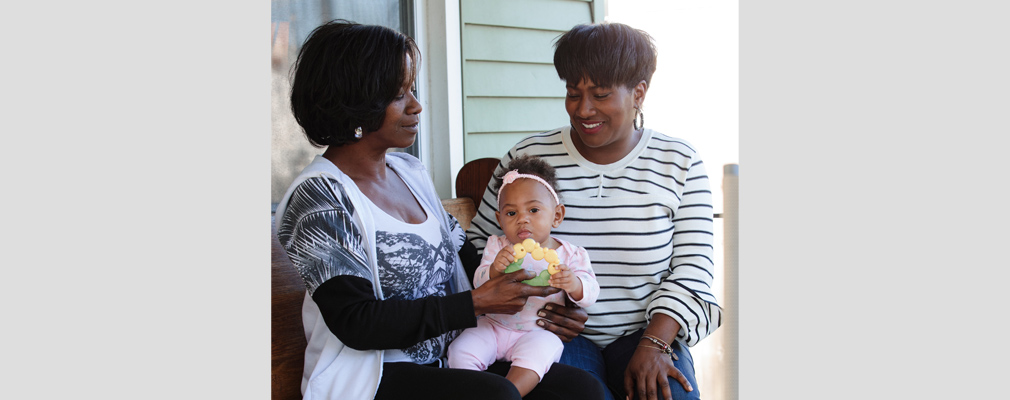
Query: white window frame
column 440, row 90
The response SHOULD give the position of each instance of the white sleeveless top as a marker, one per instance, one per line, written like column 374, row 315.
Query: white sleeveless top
column 413, row 264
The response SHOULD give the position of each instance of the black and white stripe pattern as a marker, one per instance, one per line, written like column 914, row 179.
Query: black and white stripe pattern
column 646, row 222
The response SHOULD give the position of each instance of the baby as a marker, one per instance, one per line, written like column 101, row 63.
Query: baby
column 528, row 208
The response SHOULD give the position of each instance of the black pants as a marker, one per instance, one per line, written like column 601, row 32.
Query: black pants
column 413, row 381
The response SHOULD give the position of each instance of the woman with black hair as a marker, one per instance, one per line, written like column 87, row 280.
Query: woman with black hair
column 385, row 290
column 639, row 202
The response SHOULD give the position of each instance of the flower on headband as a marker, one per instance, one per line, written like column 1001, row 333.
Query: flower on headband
column 510, row 177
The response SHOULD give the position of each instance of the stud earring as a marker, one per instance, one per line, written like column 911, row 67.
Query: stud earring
column 357, row 133
column 639, row 121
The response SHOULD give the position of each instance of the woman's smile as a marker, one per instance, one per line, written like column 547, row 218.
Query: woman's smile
column 590, row 128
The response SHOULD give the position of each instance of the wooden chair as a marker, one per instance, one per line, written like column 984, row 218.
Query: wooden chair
column 461, row 208
column 472, row 179
column 287, row 336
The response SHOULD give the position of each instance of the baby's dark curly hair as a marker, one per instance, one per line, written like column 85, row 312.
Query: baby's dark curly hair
column 533, row 165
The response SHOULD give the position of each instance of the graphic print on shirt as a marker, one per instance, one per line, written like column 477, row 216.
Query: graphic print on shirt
column 327, row 243
column 411, row 268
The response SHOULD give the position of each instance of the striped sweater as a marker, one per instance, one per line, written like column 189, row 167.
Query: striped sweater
column 646, row 222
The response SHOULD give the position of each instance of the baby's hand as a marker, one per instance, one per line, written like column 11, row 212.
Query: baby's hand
column 565, row 279
column 501, row 261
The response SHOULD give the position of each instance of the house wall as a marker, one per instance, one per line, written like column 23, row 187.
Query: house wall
column 510, row 87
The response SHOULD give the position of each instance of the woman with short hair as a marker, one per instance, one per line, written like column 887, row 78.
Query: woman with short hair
column 639, row 202
column 385, row 291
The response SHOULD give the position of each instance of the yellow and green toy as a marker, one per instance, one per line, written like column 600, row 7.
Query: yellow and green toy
column 531, row 246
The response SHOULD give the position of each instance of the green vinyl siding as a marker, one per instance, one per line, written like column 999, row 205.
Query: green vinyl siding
column 555, row 15
column 515, row 114
column 498, row 79
column 496, row 43
column 492, row 144
column 510, row 87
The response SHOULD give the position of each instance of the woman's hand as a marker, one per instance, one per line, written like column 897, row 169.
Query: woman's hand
column 647, row 374
column 506, row 294
column 649, row 367
column 567, row 321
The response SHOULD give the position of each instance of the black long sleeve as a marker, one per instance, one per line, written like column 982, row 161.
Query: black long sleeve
column 470, row 258
column 361, row 322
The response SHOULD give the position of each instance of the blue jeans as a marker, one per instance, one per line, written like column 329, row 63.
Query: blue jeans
column 608, row 364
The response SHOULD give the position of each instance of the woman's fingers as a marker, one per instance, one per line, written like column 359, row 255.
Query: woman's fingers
column 501, row 295
column 540, row 291
column 564, row 333
column 646, row 387
column 570, row 311
column 648, row 375
column 629, row 384
column 525, row 290
column 521, row 275
column 675, row 373
column 507, row 294
column 664, row 387
column 565, row 321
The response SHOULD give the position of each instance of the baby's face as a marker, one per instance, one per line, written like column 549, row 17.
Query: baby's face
column 526, row 209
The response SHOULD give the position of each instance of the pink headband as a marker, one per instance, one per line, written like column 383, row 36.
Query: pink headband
column 512, row 175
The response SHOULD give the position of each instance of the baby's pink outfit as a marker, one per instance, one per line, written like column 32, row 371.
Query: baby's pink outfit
column 517, row 337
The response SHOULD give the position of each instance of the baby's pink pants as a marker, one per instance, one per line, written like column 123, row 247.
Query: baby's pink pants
column 478, row 347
